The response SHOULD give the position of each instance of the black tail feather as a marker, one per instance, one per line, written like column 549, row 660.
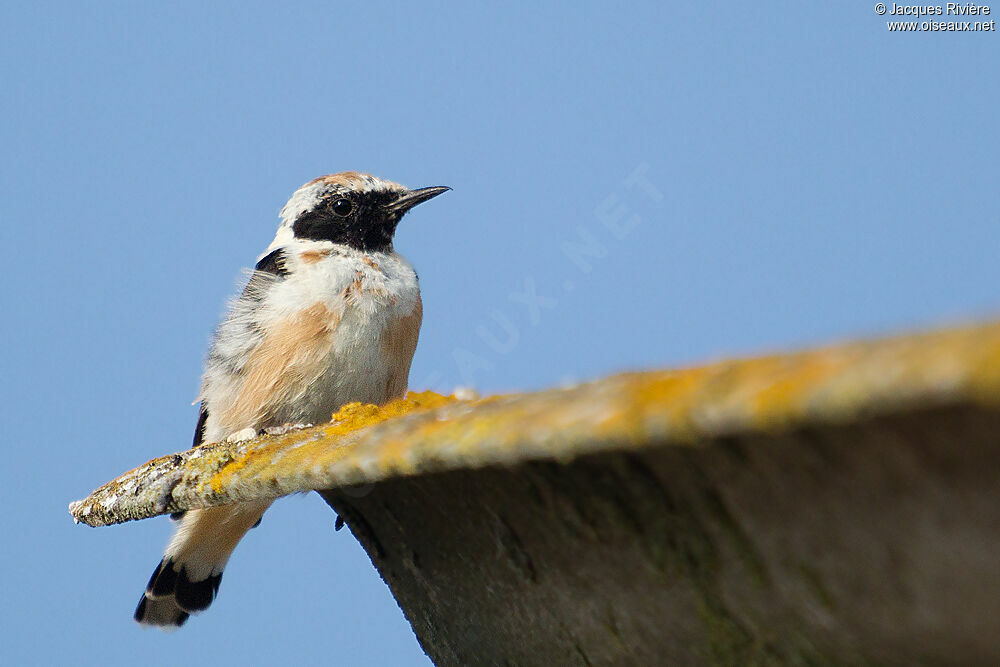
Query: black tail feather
column 171, row 597
column 192, row 596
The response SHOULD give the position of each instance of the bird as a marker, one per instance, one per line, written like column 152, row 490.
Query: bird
column 330, row 315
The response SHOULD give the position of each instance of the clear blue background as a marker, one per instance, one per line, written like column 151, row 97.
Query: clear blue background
column 821, row 179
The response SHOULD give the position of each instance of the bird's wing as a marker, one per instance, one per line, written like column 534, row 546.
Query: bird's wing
column 237, row 340
column 199, row 429
column 400, row 342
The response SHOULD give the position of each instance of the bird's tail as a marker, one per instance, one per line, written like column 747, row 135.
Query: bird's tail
column 188, row 577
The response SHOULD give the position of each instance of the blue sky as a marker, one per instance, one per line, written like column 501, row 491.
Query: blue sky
column 633, row 188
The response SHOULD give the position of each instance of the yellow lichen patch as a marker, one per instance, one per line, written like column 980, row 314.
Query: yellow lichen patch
column 670, row 398
column 355, row 416
column 786, row 384
column 350, row 418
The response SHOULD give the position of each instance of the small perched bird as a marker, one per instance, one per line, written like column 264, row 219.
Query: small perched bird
column 330, row 316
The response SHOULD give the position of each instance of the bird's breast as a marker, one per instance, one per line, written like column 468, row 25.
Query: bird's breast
column 335, row 327
column 371, row 307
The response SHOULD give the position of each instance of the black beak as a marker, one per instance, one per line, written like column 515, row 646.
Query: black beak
column 414, row 197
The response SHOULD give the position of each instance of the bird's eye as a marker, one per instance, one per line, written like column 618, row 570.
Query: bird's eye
column 343, row 207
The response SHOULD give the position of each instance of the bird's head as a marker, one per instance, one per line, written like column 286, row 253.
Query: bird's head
column 354, row 209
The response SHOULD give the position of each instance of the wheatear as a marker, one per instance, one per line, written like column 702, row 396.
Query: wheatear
column 330, row 315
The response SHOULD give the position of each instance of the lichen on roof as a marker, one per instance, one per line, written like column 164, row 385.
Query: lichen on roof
column 427, row 432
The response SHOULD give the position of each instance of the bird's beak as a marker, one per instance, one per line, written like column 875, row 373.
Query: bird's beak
column 414, row 197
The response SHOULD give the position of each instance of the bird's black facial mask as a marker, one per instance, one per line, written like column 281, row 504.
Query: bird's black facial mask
column 362, row 221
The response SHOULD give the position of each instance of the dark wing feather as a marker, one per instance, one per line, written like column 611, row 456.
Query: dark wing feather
column 199, row 430
column 273, row 262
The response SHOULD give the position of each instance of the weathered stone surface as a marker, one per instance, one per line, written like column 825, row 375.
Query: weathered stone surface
column 432, row 433
column 840, row 505
column 869, row 542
